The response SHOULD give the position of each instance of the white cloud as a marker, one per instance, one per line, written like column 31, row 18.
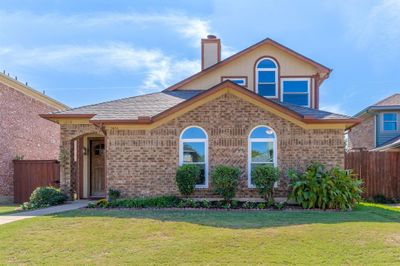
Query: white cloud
column 376, row 27
column 187, row 27
column 333, row 108
column 159, row 70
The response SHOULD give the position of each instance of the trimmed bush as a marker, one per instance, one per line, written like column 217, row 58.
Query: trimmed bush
column 113, row 194
column 325, row 189
column 225, row 181
column 43, row 197
column 154, row 202
column 186, row 178
column 264, row 178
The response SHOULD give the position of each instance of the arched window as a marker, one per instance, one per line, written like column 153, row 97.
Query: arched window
column 262, row 149
column 267, row 77
column 193, row 149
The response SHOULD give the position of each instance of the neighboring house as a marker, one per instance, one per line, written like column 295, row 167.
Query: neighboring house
column 380, row 127
column 259, row 106
column 23, row 133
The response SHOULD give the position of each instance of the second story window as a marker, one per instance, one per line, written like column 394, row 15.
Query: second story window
column 390, row 122
column 242, row 81
column 296, row 91
column 266, row 77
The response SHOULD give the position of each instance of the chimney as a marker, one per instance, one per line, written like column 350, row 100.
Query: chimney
column 210, row 51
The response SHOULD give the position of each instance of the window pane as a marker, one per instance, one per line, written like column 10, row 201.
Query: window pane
column 299, row 99
column 262, row 133
column 262, row 152
column 390, row 126
column 266, row 89
column 202, row 179
column 194, row 133
column 266, row 76
column 295, row 86
column 238, row 81
column 390, row 117
column 266, row 63
column 193, row 152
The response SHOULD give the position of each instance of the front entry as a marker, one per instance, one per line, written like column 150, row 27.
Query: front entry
column 97, row 168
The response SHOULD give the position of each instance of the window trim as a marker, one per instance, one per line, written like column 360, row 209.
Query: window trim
column 276, row 69
column 297, row 79
column 383, row 122
column 244, row 78
column 205, row 141
column 250, row 141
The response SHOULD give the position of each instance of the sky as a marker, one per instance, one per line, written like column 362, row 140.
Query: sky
column 85, row 52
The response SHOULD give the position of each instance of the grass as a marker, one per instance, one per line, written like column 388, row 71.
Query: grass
column 368, row 235
column 8, row 208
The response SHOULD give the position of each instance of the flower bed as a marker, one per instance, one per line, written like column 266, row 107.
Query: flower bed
column 181, row 203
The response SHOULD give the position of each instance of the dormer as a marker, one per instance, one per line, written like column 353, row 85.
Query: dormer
column 267, row 68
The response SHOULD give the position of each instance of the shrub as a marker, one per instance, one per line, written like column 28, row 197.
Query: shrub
column 153, row 202
column 325, row 189
column 113, row 194
column 186, row 178
column 382, row 199
column 225, row 180
column 264, row 178
column 43, row 197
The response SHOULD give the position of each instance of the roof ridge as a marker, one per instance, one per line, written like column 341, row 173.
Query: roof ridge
column 111, row 101
column 385, row 99
column 29, row 88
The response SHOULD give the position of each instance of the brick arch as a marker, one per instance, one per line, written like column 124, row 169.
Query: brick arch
column 71, row 132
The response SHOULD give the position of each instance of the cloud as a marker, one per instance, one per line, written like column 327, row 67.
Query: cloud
column 333, row 108
column 376, row 27
column 187, row 27
column 159, row 70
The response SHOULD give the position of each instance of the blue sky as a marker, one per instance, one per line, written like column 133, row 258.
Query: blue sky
column 83, row 52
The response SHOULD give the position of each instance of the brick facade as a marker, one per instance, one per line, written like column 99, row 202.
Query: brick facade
column 23, row 133
column 144, row 162
column 362, row 136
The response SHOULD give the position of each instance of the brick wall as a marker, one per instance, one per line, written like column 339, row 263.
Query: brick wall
column 362, row 135
column 23, row 132
column 142, row 163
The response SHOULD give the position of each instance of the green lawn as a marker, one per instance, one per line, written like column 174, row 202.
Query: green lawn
column 8, row 209
column 368, row 235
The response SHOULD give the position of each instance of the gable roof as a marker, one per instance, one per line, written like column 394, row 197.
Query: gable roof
column 319, row 66
column 25, row 89
column 150, row 108
column 389, row 103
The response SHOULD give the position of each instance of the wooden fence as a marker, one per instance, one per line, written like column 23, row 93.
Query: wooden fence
column 380, row 172
column 30, row 174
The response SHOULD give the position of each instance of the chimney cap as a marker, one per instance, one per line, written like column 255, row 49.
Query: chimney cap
column 211, row 36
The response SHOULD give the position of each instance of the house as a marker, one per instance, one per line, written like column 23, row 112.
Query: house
column 380, row 126
column 259, row 106
column 23, row 133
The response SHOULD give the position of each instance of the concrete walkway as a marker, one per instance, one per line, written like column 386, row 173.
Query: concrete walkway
column 73, row 205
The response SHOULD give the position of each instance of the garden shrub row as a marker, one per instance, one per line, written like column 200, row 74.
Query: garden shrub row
column 176, row 202
column 316, row 187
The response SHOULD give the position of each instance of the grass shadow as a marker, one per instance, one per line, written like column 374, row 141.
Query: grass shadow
column 365, row 212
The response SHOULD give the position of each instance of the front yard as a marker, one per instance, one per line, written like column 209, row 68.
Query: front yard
column 368, row 235
column 8, row 208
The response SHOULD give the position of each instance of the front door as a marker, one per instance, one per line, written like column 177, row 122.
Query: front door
column 97, row 168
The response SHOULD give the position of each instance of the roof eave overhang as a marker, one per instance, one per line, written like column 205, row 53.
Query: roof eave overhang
column 226, row 85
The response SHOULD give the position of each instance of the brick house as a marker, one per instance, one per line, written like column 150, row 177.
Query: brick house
column 379, row 129
column 259, row 106
column 23, row 132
